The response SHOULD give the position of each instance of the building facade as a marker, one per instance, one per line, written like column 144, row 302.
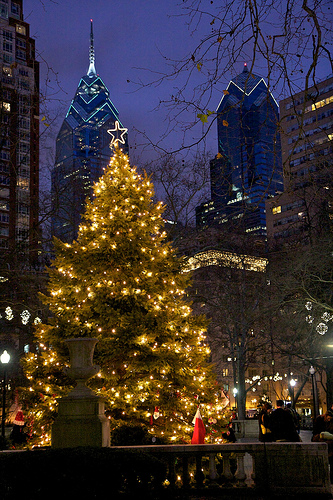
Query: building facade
column 83, row 149
column 304, row 210
column 19, row 143
column 248, row 165
column 230, row 285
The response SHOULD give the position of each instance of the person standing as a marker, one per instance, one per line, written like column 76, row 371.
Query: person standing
column 282, row 424
column 265, row 432
column 323, row 432
column 323, row 423
column 296, row 417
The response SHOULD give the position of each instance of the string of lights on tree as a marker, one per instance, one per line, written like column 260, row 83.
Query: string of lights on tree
column 321, row 327
column 122, row 282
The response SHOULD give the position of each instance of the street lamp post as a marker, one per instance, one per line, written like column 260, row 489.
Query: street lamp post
column 329, row 379
column 4, row 358
column 292, row 384
column 312, row 372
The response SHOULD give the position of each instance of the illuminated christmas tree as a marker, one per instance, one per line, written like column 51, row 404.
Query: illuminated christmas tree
column 47, row 381
column 122, row 282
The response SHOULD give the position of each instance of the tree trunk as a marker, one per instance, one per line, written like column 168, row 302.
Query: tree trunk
column 241, row 395
column 329, row 382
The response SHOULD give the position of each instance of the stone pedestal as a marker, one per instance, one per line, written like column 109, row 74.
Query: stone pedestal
column 81, row 420
column 246, row 428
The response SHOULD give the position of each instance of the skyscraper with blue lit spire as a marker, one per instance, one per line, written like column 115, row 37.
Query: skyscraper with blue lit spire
column 248, row 167
column 83, row 149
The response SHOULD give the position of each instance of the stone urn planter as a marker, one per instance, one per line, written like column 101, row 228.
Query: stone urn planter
column 81, row 352
column 81, row 420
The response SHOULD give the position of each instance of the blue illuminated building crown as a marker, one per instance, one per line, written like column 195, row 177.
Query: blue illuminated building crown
column 248, row 166
column 82, row 149
column 91, row 104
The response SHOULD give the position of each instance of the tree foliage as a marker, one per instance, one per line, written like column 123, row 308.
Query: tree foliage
column 182, row 183
column 122, row 283
column 229, row 285
column 301, row 305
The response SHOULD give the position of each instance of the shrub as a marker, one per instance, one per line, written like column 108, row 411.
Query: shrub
column 130, row 435
column 133, row 435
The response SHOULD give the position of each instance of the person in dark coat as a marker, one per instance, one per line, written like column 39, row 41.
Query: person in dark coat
column 296, row 417
column 323, row 432
column 282, row 424
column 323, row 423
column 264, row 419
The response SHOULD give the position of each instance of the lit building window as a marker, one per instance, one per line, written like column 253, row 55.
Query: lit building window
column 319, row 104
column 20, row 29
column 7, row 71
column 23, row 183
column 276, row 210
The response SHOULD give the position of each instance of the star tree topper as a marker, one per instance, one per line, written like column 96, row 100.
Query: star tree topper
column 117, row 133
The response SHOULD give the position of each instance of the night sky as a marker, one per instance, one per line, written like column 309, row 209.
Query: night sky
column 135, row 41
column 131, row 39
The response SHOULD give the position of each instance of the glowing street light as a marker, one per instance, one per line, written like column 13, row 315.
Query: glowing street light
column 235, row 392
column 292, row 383
column 5, row 357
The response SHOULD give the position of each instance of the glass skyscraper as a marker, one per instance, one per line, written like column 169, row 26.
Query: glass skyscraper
column 83, row 149
column 248, row 167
